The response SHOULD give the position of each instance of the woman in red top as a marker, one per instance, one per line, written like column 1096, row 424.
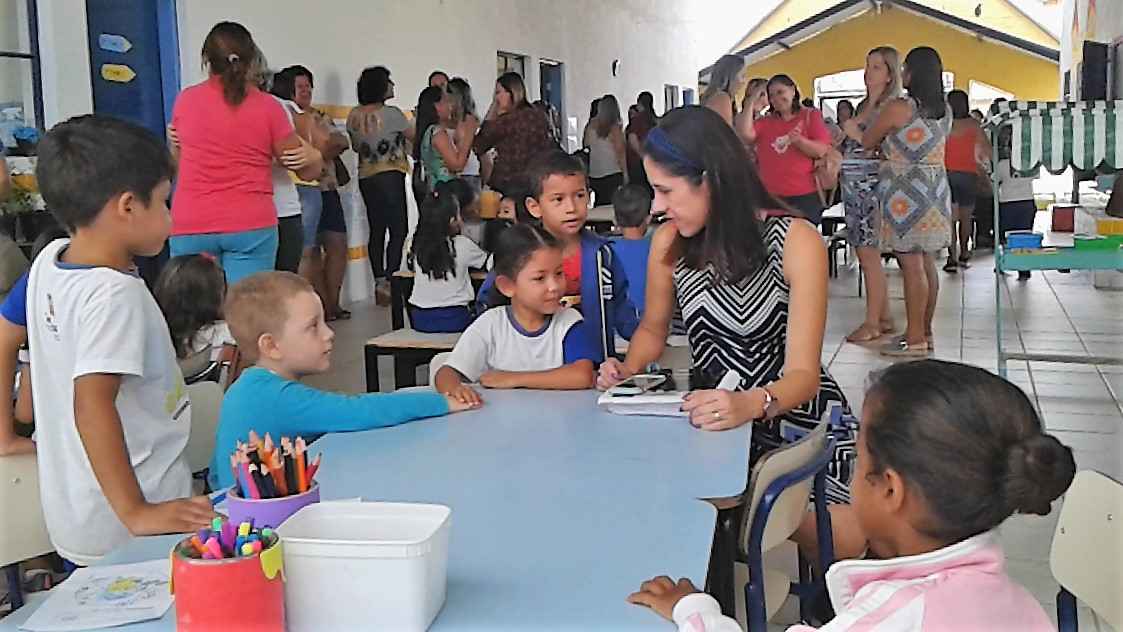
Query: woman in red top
column 225, row 135
column 787, row 143
column 517, row 131
column 966, row 148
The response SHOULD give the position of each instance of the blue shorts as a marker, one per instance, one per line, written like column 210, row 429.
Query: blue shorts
column 311, row 207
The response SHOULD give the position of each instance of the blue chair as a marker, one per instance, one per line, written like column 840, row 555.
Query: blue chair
column 1087, row 547
column 778, row 493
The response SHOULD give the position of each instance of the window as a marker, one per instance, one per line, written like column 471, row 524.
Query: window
column 510, row 62
column 21, row 98
column 670, row 98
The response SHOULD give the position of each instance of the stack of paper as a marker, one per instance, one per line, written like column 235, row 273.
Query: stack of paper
column 651, row 404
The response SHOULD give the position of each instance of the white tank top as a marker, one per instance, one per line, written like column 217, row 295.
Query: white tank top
column 602, row 158
column 285, row 197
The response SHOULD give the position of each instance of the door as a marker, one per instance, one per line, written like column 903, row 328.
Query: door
column 551, row 89
column 134, row 59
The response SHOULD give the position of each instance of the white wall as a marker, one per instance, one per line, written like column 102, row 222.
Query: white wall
column 461, row 37
column 657, row 41
column 64, row 60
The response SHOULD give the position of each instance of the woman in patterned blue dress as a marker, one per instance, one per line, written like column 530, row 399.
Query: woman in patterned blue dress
column 753, row 295
column 859, row 191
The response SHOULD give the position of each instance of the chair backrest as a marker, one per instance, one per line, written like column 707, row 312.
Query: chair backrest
column 1088, row 544
column 791, row 507
column 206, row 401
column 435, row 364
column 23, row 533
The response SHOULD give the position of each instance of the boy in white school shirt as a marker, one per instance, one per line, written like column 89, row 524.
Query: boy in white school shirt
column 110, row 402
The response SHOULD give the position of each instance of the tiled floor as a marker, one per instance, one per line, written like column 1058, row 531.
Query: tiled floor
column 1051, row 312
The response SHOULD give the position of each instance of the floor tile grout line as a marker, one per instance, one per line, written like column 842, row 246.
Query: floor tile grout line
column 1080, row 337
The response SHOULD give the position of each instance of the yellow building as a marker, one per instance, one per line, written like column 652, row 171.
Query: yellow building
column 1001, row 46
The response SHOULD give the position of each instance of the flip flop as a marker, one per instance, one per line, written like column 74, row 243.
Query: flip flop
column 900, row 348
column 863, row 334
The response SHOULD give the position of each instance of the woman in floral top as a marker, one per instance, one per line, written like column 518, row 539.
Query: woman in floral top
column 516, row 130
column 381, row 134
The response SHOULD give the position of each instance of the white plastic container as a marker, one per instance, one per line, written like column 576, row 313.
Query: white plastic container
column 365, row 566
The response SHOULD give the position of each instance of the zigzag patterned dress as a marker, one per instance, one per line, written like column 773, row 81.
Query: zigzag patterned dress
column 744, row 327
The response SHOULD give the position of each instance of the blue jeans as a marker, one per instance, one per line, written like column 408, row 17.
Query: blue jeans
column 240, row 254
column 311, row 207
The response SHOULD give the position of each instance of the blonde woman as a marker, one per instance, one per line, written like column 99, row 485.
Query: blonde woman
column 726, row 80
column 859, row 190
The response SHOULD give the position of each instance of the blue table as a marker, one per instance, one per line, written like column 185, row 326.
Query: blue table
column 559, row 510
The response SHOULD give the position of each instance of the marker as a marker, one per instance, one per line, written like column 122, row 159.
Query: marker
column 229, row 534
column 197, row 544
column 218, row 498
column 214, row 549
column 247, row 549
column 257, row 546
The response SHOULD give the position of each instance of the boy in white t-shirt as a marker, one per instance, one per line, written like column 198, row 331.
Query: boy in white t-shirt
column 110, row 402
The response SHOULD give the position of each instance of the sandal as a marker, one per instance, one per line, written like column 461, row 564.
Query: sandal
column 342, row 314
column 963, row 261
column 900, row 348
column 864, row 334
column 951, row 267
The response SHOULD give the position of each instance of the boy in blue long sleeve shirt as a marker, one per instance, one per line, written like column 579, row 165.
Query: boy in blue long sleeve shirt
column 278, row 321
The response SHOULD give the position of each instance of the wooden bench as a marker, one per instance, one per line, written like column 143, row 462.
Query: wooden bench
column 401, row 287
column 409, row 350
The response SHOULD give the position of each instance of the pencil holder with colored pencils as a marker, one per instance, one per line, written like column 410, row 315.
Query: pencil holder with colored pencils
column 272, row 481
column 229, row 578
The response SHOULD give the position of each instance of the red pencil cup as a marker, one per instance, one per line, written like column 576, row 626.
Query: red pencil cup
column 237, row 593
column 269, row 512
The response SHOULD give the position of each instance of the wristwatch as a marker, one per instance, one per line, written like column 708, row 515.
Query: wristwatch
column 771, row 403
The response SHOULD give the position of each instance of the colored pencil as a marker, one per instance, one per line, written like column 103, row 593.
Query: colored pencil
column 301, row 473
column 313, row 468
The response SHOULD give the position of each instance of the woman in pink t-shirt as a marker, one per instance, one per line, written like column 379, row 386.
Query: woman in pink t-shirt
column 788, row 141
column 226, row 135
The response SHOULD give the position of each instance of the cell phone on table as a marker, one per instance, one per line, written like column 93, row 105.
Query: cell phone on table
column 638, row 385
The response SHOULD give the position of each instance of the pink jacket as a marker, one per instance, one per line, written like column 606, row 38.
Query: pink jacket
column 962, row 587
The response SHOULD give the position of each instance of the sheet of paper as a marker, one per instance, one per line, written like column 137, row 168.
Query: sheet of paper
column 105, row 596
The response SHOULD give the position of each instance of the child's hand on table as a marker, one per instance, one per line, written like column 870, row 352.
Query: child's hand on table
column 463, row 397
column 182, row 515
column 661, row 594
column 499, row 379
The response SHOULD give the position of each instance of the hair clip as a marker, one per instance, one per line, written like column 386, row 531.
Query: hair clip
column 209, row 257
column 233, row 58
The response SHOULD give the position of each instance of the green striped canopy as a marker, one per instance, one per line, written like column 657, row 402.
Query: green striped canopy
column 1056, row 134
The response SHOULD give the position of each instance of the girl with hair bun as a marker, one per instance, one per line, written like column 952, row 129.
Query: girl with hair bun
column 946, row 453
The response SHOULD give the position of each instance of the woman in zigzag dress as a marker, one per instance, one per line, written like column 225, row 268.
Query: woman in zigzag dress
column 753, row 294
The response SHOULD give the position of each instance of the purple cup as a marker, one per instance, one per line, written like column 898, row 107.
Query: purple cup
column 269, row 512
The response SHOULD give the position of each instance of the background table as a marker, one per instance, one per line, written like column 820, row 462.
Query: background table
column 559, row 510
